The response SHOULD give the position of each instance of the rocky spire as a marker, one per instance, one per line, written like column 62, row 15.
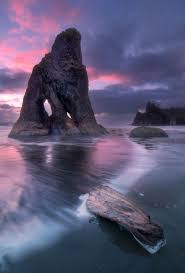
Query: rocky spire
column 61, row 78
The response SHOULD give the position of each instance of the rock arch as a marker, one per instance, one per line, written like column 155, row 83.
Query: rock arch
column 61, row 78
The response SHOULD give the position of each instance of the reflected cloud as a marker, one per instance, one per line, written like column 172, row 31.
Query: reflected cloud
column 41, row 184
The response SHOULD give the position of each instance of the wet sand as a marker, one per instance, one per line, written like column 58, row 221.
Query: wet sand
column 44, row 225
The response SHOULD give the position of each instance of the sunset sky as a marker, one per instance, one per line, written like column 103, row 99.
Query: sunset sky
column 134, row 50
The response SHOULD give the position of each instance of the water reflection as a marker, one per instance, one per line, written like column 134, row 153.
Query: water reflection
column 41, row 184
column 120, row 238
column 149, row 144
column 75, row 169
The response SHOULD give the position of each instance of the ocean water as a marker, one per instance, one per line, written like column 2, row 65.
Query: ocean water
column 44, row 224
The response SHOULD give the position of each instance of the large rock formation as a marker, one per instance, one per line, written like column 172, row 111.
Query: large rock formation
column 61, row 79
column 154, row 115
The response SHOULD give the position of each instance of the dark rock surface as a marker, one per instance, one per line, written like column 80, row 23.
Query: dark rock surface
column 154, row 115
column 147, row 132
column 61, row 78
column 110, row 204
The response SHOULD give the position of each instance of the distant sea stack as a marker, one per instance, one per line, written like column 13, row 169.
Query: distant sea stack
column 154, row 115
column 62, row 80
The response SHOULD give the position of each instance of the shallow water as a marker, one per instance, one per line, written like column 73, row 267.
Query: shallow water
column 44, row 224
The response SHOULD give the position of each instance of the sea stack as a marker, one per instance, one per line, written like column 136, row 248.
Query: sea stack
column 62, row 80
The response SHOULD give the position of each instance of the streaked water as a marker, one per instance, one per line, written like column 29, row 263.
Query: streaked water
column 44, row 224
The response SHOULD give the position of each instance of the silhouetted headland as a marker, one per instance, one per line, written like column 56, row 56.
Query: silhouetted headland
column 155, row 115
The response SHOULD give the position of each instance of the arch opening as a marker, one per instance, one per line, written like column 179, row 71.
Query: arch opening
column 47, row 108
column 69, row 116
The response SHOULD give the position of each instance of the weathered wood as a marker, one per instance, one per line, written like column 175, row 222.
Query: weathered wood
column 108, row 203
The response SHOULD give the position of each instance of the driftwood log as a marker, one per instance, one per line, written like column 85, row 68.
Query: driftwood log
column 112, row 205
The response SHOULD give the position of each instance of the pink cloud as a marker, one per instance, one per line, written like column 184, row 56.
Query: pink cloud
column 25, row 60
column 20, row 12
column 108, row 78
column 19, row 59
column 7, row 52
column 19, row 49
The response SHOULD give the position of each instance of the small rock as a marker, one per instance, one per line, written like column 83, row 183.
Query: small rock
column 147, row 132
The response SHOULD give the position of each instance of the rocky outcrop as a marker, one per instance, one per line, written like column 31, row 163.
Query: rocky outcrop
column 154, row 115
column 147, row 132
column 62, row 80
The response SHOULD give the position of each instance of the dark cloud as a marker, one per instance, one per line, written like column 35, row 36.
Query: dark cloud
column 105, row 52
column 12, row 80
column 8, row 113
column 6, row 106
column 118, row 105
column 160, row 66
column 144, row 40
